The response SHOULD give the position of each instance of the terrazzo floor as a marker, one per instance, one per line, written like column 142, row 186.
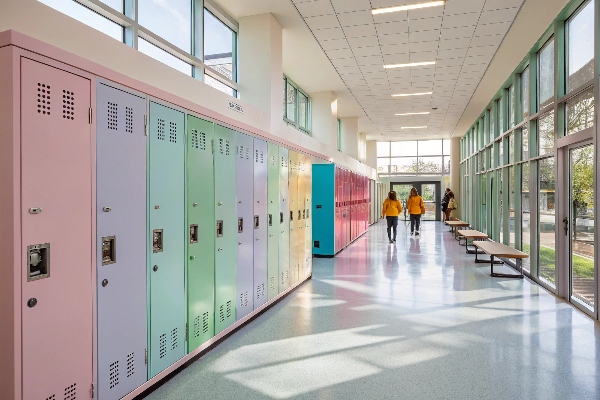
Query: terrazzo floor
column 413, row 320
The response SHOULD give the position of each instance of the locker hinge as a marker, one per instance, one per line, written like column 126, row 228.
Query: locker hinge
column 146, row 357
column 92, row 390
column 212, row 145
column 146, row 125
column 186, row 331
column 90, row 114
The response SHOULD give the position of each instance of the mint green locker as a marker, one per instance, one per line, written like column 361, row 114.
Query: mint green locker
column 273, row 225
column 166, row 211
column 200, row 231
column 295, row 216
column 226, row 231
column 284, row 221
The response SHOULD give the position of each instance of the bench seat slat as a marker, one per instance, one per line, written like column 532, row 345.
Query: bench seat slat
column 500, row 250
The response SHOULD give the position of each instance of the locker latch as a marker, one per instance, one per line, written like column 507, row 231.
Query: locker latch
column 39, row 261
column 256, row 222
column 193, row 233
column 299, row 215
column 307, row 213
column 281, row 218
column 270, row 219
column 240, row 225
column 109, row 250
column 157, row 241
column 291, row 215
column 303, row 214
column 219, row 228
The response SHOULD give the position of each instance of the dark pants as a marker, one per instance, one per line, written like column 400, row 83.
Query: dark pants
column 392, row 222
column 415, row 219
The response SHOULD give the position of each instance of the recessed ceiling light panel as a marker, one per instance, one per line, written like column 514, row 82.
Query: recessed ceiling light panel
column 416, row 113
column 413, row 127
column 407, row 7
column 416, row 64
column 411, row 94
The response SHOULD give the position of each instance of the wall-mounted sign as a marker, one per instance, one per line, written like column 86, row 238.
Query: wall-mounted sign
column 236, row 107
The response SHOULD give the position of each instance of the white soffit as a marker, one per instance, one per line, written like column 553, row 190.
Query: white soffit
column 462, row 37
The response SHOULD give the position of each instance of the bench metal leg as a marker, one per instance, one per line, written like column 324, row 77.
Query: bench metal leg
column 483, row 261
column 474, row 250
column 497, row 275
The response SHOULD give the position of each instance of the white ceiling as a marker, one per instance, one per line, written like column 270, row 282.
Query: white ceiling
column 352, row 45
column 461, row 36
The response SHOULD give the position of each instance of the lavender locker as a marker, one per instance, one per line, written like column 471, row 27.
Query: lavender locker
column 260, row 223
column 121, row 241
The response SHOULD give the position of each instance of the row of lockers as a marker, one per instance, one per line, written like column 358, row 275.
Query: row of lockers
column 195, row 226
column 341, row 208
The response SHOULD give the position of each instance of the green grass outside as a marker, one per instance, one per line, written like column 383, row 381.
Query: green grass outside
column 582, row 267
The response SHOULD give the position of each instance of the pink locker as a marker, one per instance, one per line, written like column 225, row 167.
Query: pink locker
column 47, row 162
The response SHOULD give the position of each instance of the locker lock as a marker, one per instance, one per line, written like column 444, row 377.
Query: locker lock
column 105, row 283
column 220, row 203
column 155, row 268
column 195, row 204
column 157, row 241
column 157, row 207
column 32, row 302
column 192, row 257
column 39, row 261
column 109, row 250
column 35, row 210
column 106, row 209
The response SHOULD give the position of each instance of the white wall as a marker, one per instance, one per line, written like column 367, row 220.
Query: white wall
column 371, row 160
column 41, row 22
column 324, row 117
column 350, row 136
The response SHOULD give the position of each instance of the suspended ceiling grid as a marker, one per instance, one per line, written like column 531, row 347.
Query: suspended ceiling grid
column 462, row 37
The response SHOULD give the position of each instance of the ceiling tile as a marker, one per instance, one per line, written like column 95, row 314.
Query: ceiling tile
column 315, row 8
column 322, row 22
column 492, row 29
column 355, row 18
column 390, row 40
column 366, row 51
column 460, row 20
column 495, row 16
column 458, row 33
column 424, row 36
column 335, row 44
column 341, row 53
column 359, row 30
column 463, row 6
column 364, row 41
column 348, row 6
column 329, row 34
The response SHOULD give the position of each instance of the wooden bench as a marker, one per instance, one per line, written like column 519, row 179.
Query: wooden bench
column 473, row 235
column 494, row 249
column 454, row 225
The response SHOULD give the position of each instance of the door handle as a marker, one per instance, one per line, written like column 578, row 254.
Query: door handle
column 566, row 222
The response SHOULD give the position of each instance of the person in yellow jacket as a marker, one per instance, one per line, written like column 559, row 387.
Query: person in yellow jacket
column 390, row 210
column 416, row 208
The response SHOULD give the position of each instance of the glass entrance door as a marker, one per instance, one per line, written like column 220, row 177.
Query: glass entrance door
column 429, row 191
column 581, row 227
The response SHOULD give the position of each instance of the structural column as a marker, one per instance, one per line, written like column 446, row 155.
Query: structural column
column 350, row 137
column 455, row 171
column 324, row 117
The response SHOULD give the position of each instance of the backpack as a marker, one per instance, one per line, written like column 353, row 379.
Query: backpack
column 452, row 204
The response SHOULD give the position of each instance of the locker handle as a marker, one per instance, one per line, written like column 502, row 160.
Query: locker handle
column 256, row 222
column 270, row 219
column 281, row 218
column 240, row 225
column 219, row 228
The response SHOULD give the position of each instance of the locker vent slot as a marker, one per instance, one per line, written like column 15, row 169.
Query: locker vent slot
column 68, row 105
column 260, row 291
column 130, row 364
column 195, row 139
column 162, row 346
column 161, row 129
column 128, row 119
column 229, row 310
column 273, row 160
column 53, row 397
column 272, row 283
column 221, row 146
column 71, row 392
column 205, row 322
column 113, row 116
column 114, row 374
column 173, row 132
column 43, row 99
column 256, row 156
column 202, row 141
column 241, row 151
column 197, row 326
column 227, row 148
column 174, row 339
column 244, row 299
column 221, row 313
column 247, row 153
column 198, row 140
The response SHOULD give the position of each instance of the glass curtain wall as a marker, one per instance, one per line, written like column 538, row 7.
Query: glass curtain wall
column 549, row 97
column 409, row 158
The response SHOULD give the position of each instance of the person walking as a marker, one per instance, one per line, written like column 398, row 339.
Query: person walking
column 445, row 202
column 451, row 204
column 415, row 207
column 390, row 210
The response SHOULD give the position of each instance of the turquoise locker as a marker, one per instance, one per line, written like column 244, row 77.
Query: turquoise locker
column 226, row 231
column 166, row 266
column 284, row 221
column 200, row 231
column 245, row 224
column 273, row 225
column 295, row 216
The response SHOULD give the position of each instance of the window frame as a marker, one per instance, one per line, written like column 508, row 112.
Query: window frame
column 295, row 123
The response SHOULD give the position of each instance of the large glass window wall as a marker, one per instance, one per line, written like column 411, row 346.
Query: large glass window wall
column 192, row 36
column 534, row 124
column 427, row 157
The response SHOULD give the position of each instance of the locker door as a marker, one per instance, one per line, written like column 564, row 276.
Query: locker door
column 308, row 221
column 301, row 216
column 294, row 217
column 121, row 241
column 56, row 215
column 166, row 247
column 260, row 223
column 273, row 220
column 338, row 214
column 226, row 228
column 200, row 206
column 245, row 225
column 284, row 220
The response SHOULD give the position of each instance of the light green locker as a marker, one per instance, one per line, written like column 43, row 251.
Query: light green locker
column 295, row 217
column 273, row 221
column 225, row 227
column 200, row 206
column 284, row 221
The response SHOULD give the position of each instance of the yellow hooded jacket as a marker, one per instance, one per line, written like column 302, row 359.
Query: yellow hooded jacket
column 415, row 205
column 391, row 208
